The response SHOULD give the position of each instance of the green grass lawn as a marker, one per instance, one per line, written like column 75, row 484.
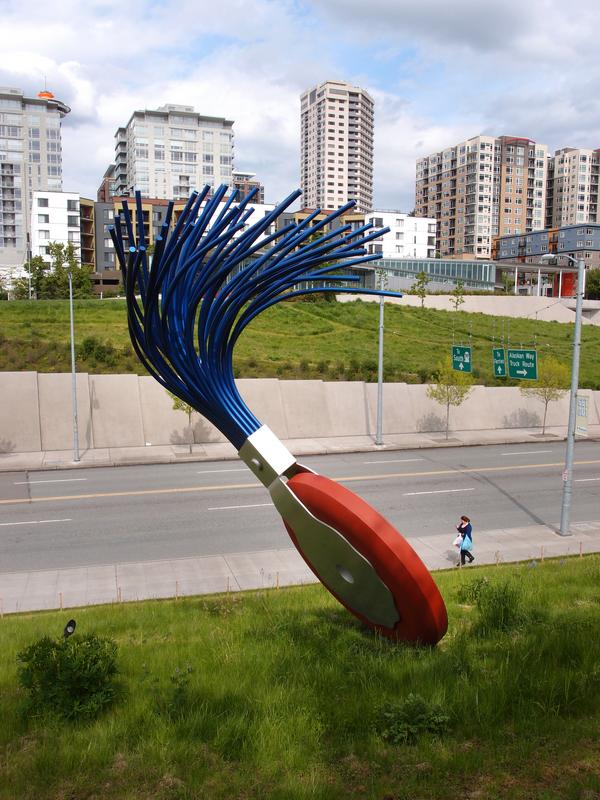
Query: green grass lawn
column 333, row 341
column 279, row 694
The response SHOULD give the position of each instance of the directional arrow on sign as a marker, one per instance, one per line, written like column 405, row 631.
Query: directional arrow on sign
column 521, row 372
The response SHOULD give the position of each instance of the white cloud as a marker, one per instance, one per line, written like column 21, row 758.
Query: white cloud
column 439, row 73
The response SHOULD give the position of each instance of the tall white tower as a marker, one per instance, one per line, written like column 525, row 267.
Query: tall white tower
column 336, row 150
column 30, row 160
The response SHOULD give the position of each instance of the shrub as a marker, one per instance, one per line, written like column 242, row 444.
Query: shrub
column 87, row 348
column 500, row 606
column 405, row 722
column 73, row 677
column 471, row 592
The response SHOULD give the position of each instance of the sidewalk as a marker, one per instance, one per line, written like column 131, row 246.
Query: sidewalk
column 110, row 583
column 116, row 583
column 220, row 451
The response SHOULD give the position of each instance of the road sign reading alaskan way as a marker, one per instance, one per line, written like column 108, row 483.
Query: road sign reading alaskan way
column 461, row 358
column 522, row 364
column 499, row 362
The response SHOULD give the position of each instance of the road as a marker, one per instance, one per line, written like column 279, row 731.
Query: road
column 84, row 517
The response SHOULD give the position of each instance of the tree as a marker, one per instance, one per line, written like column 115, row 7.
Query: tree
column 181, row 405
column 508, row 283
column 50, row 281
column 452, row 387
column 592, row 285
column 552, row 383
column 457, row 293
column 419, row 287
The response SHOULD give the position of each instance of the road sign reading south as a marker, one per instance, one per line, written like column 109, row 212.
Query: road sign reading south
column 522, row 364
column 499, row 362
column 461, row 358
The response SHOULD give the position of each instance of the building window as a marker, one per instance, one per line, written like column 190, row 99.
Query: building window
column 42, row 202
column 73, row 222
column 72, row 205
column 44, row 219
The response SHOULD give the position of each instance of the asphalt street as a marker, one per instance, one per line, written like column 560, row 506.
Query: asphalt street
column 60, row 519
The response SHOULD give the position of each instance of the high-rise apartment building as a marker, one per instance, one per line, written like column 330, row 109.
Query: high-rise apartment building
column 481, row 188
column 30, row 161
column 171, row 151
column 572, row 190
column 336, row 149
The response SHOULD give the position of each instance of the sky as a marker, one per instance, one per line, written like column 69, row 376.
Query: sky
column 438, row 71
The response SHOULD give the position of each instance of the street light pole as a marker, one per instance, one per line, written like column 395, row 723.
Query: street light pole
column 565, row 516
column 379, row 431
column 73, row 372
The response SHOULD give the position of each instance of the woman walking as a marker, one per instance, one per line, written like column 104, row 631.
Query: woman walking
column 465, row 530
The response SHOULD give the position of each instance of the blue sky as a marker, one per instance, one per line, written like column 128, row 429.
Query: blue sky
column 439, row 72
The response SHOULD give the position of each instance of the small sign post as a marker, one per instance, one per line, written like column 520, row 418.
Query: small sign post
column 461, row 358
column 581, row 416
column 522, row 364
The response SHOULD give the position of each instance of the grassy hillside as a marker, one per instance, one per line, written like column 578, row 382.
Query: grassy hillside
column 306, row 340
column 282, row 695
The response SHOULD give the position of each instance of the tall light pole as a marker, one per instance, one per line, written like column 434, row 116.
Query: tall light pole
column 565, row 513
column 73, row 372
column 379, row 430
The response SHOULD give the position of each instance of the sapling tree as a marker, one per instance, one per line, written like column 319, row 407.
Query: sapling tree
column 458, row 293
column 452, row 387
column 419, row 287
column 552, row 383
column 181, row 405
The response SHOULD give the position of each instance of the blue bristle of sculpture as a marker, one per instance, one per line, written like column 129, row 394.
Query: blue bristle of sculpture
column 211, row 276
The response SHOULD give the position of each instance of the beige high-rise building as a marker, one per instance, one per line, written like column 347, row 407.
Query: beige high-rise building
column 336, row 146
column 481, row 188
column 168, row 152
column 572, row 191
column 30, row 160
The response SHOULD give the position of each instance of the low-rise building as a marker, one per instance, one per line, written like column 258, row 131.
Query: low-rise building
column 55, row 217
column 408, row 237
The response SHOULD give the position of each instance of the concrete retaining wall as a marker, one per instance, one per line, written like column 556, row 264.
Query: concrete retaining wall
column 132, row 411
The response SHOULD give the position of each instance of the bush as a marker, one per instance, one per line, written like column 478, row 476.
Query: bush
column 471, row 592
column 500, row 606
column 73, row 677
column 405, row 722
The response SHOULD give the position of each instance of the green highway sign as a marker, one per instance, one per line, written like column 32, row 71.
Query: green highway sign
column 461, row 358
column 499, row 359
column 522, row 364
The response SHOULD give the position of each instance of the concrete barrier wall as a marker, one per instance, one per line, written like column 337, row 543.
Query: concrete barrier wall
column 56, row 410
column 116, row 411
column 131, row 411
column 19, row 413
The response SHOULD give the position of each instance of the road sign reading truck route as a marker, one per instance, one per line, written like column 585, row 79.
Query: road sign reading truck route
column 522, row 364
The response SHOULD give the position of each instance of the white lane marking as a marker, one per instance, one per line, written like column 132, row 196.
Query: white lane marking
column 34, row 522
column 526, row 453
column 439, row 491
column 394, row 461
column 228, row 508
column 52, row 480
column 211, row 471
column 585, row 480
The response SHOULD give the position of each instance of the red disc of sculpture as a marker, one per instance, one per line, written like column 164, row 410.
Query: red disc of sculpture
column 421, row 610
